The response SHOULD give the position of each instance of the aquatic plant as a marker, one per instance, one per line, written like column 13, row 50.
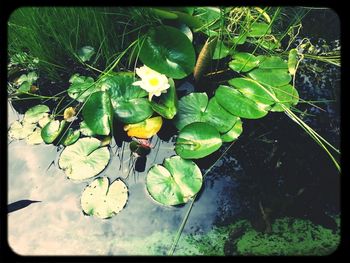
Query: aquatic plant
column 262, row 80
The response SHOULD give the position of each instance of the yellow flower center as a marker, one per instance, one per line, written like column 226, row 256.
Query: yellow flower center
column 154, row 81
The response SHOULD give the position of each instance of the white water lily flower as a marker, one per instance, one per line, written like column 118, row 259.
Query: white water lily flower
column 151, row 81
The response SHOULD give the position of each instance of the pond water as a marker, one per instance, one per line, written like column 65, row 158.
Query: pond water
column 273, row 163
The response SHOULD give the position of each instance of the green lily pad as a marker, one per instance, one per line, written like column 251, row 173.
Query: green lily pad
column 70, row 137
column 196, row 108
column 85, row 130
column 167, row 105
column 36, row 113
column 84, row 159
column 287, row 95
column 190, row 109
column 29, row 78
column 98, row 113
column 237, row 104
column 20, row 130
column 272, row 62
column 85, row 53
column 233, row 133
column 175, row 182
column 127, row 100
column 168, row 51
column 197, row 140
column 81, row 87
column 221, row 50
column 253, row 90
column 102, row 199
column 51, row 130
column 35, row 137
column 272, row 77
column 243, row 62
column 240, row 39
column 258, row 29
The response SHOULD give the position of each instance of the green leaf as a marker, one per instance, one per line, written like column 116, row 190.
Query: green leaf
column 209, row 16
column 102, row 199
column 25, row 87
column 197, row 140
column 239, row 40
column 98, row 113
column 188, row 19
column 218, row 117
column 51, row 130
column 85, row 53
column 272, row 77
column 20, row 130
column 233, row 133
column 36, row 113
column 258, row 29
column 221, row 50
column 168, row 51
column 167, row 105
column 175, row 182
column 35, row 137
column 127, row 100
column 243, row 62
column 186, row 30
column 163, row 14
column 190, row 109
column 253, row 90
column 81, row 87
column 30, row 78
column 70, row 137
column 84, row 159
column 237, row 104
column 272, row 62
column 287, row 95
column 85, row 130
column 292, row 61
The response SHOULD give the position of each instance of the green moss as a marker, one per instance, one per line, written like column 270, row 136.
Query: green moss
column 289, row 237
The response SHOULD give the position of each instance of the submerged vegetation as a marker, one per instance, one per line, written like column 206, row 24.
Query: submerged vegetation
column 78, row 80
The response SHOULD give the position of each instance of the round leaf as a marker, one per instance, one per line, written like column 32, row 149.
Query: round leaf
column 243, row 62
column 20, row 130
column 103, row 200
column 197, row 140
column 81, row 87
column 190, row 109
column 221, row 50
column 84, row 159
column 51, row 130
column 259, row 29
column 145, row 129
column 272, row 77
column 175, row 182
column 272, row 62
column 237, row 104
column 287, row 95
column 98, row 114
column 253, row 90
column 233, row 133
column 35, row 137
column 70, row 137
column 34, row 114
column 168, row 51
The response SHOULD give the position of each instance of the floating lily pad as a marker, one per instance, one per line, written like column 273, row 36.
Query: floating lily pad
column 85, row 53
column 237, row 104
column 197, row 140
column 272, row 62
column 190, row 109
column 175, row 182
column 35, row 137
column 168, row 51
column 85, row 130
column 98, row 113
column 102, row 199
column 20, row 130
column 272, row 77
column 145, row 129
column 34, row 114
column 243, row 62
column 167, row 104
column 221, row 50
column 127, row 100
column 258, row 29
column 287, row 95
column 70, row 137
column 84, row 159
column 51, row 130
column 233, row 133
column 81, row 87
column 253, row 90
